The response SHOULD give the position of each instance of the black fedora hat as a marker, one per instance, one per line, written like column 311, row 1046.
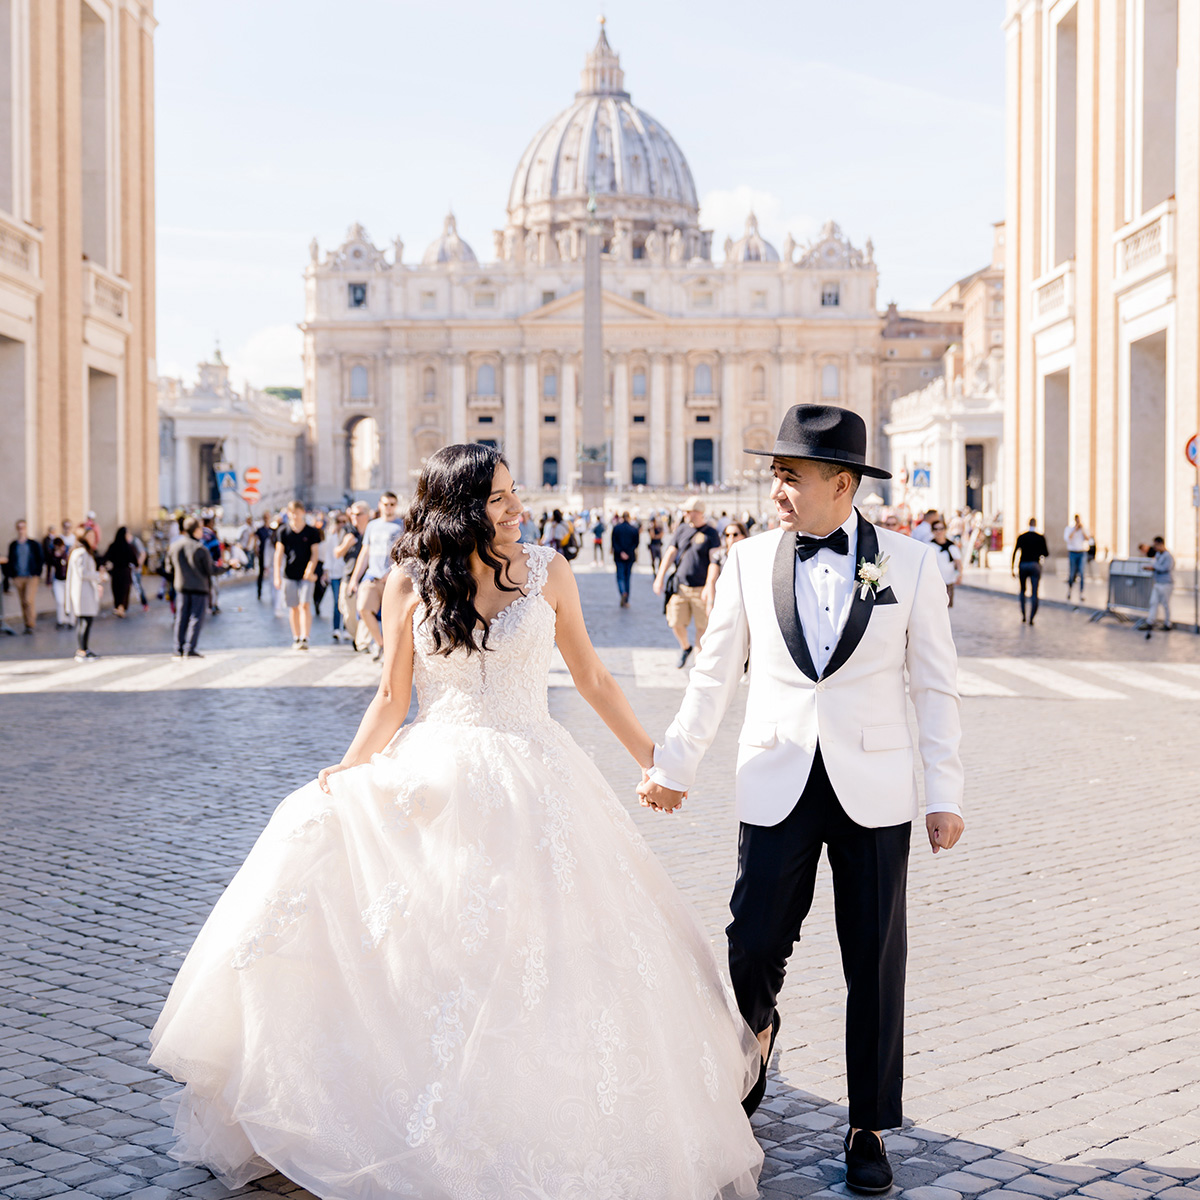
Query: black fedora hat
column 825, row 433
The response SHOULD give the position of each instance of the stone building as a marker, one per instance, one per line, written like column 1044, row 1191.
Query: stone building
column 1102, row 272
column 209, row 424
column 702, row 356
column 77, row 398
column 953, row 426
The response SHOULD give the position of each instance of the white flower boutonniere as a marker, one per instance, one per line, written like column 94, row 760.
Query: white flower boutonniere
column 870, row 575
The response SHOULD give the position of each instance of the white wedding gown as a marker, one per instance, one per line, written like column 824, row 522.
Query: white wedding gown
column 463, row 974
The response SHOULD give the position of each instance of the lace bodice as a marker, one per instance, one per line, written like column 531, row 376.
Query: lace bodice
column 503, row 687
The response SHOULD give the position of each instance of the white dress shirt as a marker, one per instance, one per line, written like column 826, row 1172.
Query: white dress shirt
column 824, row 589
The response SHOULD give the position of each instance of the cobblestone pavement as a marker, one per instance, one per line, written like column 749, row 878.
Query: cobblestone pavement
column 1053, row 1032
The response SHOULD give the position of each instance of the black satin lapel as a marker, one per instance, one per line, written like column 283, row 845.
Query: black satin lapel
column 860, row 609
column 783, row 587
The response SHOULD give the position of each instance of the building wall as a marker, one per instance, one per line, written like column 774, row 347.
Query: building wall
column 77, row 260
column 1103, row 267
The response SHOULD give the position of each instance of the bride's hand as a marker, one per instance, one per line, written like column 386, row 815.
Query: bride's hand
column 324, row 774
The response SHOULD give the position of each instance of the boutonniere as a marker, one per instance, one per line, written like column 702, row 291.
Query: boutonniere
column 870, row 575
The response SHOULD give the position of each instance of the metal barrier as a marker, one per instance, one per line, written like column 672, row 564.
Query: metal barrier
column 1130, row 581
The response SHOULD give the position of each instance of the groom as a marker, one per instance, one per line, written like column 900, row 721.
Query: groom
column 833, row 615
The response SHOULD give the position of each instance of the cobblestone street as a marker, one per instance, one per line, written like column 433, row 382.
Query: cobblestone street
column 1054, row 971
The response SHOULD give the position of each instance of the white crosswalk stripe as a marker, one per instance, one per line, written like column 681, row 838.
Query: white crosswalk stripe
column 987, row 678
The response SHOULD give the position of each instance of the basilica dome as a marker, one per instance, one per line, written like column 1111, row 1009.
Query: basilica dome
column 449, row 248
column 751, row 246
column 603, row 144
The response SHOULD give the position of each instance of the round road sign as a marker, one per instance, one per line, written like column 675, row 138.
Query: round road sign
column 1192, row 449
column 252, row 475
column 252, row 495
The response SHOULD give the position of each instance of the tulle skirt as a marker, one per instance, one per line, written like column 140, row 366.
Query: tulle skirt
column 462, row 975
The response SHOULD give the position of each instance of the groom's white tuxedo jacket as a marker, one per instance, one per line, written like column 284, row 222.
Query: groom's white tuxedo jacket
column 856, row 708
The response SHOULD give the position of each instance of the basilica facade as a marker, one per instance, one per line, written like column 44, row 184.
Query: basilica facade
column 701, row 357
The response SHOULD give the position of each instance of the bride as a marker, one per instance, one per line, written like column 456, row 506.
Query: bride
column 450, row 967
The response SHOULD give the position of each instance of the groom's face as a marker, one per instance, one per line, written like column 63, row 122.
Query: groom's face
column 805, row 500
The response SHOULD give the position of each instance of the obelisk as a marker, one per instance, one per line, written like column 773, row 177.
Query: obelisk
column 593, row 447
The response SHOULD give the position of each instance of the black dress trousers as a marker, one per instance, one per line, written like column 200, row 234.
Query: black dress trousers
column 777, row 869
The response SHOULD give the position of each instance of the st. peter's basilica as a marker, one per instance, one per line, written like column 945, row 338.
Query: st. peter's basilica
column 701, row 357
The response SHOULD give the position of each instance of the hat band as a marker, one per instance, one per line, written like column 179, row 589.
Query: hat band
column 796, row 450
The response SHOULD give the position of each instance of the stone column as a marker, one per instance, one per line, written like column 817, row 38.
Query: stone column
column 679, row 431
column 532, row 468
column 729, row 467
column 458, row 399
column 400, row 424
column 657, row 474
column 183, row 471
column 568, row 453
column 327, row 480
column 511, row 442
column 788, row 394
column 620, row 442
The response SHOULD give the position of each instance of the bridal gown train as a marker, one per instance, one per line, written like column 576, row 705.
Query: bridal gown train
column 463, row 974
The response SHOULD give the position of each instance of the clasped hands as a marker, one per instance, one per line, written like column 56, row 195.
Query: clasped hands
column 654, row 795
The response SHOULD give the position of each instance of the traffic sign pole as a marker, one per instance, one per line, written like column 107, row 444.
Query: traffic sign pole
column 1192, row 450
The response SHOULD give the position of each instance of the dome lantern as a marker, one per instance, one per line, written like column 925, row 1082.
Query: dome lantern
column 602, row 74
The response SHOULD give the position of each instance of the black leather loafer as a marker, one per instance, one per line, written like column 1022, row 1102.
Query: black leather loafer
column 754, row 1099
column 867, row 1167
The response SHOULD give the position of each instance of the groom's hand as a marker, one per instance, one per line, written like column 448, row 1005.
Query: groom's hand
column 944, row 829
column 654, row 795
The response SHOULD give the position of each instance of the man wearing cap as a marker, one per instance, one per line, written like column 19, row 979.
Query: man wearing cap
column 688, row 554
column 835, row 617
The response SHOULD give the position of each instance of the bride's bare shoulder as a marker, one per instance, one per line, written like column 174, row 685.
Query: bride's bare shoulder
column 400, row 587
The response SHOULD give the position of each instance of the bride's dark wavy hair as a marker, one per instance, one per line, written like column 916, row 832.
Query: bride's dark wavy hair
column 448, row 522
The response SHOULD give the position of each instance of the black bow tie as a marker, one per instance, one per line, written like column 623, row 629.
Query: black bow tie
column 838, row 541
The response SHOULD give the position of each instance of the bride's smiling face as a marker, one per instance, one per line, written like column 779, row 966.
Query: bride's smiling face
column 504, row 508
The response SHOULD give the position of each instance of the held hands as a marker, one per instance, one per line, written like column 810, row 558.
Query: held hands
column 654, row 795
column 943, row 828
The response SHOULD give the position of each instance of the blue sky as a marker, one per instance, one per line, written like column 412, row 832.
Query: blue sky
column 281, row 119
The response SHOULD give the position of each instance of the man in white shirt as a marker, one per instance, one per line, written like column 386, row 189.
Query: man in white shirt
column 373, row 564
column 1077, row 540
column 922, row 531
column 841, row 622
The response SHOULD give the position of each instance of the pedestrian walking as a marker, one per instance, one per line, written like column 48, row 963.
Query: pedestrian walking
column 212, row 543
column 348, row 550
column 922, row 531
column 949, row 559
column 624, row 540
column 190, row 568
column 1078, row 541
column 139, row 548
column 85, row 582
column 120, row 558
column 56, row 576
column 654, row 542
column 23, row 568
column 598, row 531
column 296, row 550
column 558, row 533
column 1029, row 551
column 264, row 540
column 1164, row 585
column 734, row 532
column 682, row 574
column 529, row 528
column 334, row 569
column 373, row 564
column 324, row 548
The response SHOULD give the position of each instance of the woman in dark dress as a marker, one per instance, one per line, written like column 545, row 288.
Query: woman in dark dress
column 121, row 556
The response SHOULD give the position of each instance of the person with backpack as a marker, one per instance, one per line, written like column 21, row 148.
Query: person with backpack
column 558, row 533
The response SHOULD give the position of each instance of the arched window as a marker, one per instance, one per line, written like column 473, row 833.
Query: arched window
column 639, row 383
column 758, row 382
column 831, row 383
column 550, row 472
column 637, row 473
column 702, row 380
column 485, row 380
column 358, row 382
column 362, row 455
column 429, row 387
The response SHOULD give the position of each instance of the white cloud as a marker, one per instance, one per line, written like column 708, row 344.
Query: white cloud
column 270, row 357
column 724, row 211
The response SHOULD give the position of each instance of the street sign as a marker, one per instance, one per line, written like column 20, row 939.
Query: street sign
column 920, row 475
column 1192, row 449
column 252, row 495
column 252, row 475
column 227, row 481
